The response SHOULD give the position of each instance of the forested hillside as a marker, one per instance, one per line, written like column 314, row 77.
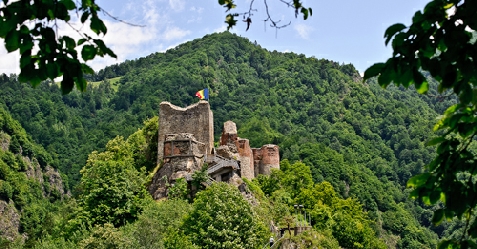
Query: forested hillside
column 356, row 141
column 29, row 187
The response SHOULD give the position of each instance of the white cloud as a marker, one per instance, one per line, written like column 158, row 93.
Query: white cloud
column 195, row 9
column 220, row 29
column 303, row 30
column 127, row 41
column 10, row 61
column 174, row 33
column 177, row 5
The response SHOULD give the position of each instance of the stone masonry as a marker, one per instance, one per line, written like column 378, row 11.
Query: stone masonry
column 196, row 119
column 186, row 141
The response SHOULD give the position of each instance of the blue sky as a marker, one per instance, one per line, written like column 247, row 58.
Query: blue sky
column 345, row 31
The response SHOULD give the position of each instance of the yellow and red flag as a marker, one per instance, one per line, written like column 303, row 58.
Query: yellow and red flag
column 203, row 94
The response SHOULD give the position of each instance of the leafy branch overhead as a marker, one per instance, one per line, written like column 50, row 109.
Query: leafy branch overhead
column 441, row 42
column 247, row 16
column 31, row 27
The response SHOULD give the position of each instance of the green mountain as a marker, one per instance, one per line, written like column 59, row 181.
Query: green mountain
column 364, row 140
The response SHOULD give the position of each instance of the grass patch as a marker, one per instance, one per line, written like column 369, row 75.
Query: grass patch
column 113, row 81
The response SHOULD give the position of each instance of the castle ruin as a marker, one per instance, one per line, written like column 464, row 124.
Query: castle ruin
column 186, row 143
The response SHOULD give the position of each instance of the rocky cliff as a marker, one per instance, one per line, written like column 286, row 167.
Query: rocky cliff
column 24, row 178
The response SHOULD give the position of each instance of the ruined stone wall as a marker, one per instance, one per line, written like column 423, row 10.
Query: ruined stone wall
column 182, row 157
column 196, row 119
column 257, row 157
column 266, row 158
column 245, row 158
column 231, row 146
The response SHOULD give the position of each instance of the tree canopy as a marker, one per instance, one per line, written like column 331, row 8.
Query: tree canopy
column 31, row 28
column 441, row 42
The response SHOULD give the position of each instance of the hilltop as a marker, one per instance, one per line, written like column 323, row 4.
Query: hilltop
column 363, row 140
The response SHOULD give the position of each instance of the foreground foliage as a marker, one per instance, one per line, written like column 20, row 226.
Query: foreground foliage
column 441, row 42
column 222, row 218
column 31, row 28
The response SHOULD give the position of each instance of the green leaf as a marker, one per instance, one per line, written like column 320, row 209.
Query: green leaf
column 445, row 244
column 421, row 83
column 102, row 49
column 97, row 25
column 438, row 216
column 418, row 180
column 12, row 40
column 392, row 30
column 305, row 13
column 434, row 197
column 86, row 69
column 81, row 84
column 451, row 109
column 387, row 75
column 373, row 71
column 435, row 141
column 453, row 120
column 88, row 52
column 26, row 46
column 443, row 147
column 67, row 84
column 25, row 61
column 466, row 94
column 84, row 16
column 69, row 4
column 69, row 42
column 423, row 88
column 230, row 20
column 52, row 70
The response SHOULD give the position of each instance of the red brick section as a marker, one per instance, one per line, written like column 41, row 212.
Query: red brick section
column 266, row 158
column 229, row 133
column 257, row 157
column 270, row 155
column 246, row 157
column 167, row 149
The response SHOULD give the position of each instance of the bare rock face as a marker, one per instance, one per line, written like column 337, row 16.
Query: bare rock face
column 4, row 141
column 182, row 156
column 9, row 221
column 55, row 181
column 34, row 169
column 50, row 174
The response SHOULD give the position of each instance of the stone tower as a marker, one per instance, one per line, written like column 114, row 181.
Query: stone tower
column 265, row 159
column 196, row 119
column 231, row 146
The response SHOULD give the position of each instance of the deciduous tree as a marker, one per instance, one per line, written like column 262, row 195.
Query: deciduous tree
column 441, row 42
column 222, row 218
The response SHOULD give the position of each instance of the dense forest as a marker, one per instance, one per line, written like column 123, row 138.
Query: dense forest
column 348, row 148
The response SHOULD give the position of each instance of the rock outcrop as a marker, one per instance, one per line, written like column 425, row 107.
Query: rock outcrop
column 183, row 155
column 9, row 221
